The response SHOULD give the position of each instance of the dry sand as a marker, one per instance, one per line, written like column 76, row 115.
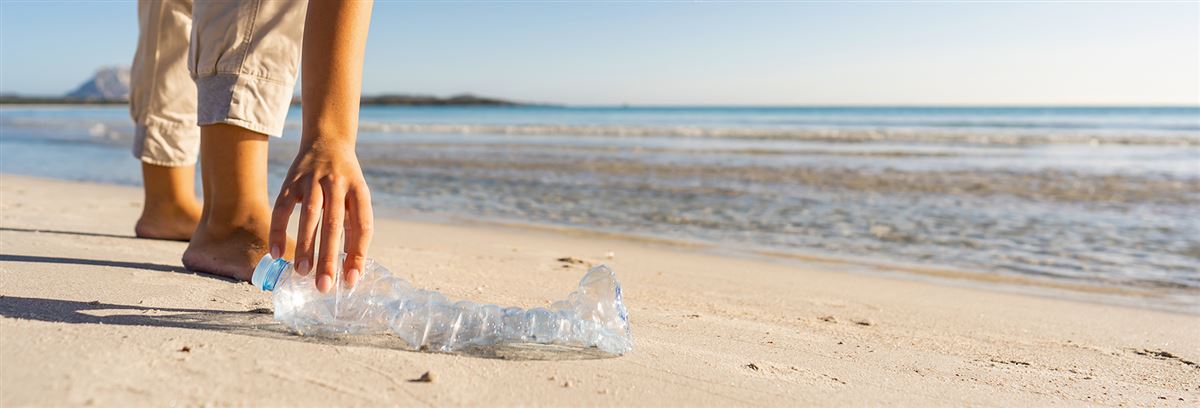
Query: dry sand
column 91, row 315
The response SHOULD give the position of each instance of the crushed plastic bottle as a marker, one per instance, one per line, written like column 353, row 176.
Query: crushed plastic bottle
column 593, row 316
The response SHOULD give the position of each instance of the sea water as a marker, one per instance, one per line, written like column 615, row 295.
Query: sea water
column 1088, row 196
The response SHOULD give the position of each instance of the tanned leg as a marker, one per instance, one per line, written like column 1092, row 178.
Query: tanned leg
column 170, row 210
column 233, row 230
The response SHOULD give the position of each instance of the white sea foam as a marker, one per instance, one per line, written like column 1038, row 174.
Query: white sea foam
column 986, row 136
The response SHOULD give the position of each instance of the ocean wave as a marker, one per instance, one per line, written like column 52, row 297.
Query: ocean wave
column 122, row 129
column 995, row 137
column 1086, row 124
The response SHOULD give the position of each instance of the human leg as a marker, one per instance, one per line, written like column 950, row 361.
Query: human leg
column 233, row 229
column 163, row 107
column 244, row 58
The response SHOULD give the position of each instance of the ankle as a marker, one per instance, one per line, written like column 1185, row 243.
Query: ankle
column 171, row 208
column 168, row 219
column 222, row 218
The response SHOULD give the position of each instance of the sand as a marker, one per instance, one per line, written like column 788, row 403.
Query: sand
column 90, row 315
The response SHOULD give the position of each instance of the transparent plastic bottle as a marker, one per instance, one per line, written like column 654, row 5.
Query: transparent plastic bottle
column 593, row 316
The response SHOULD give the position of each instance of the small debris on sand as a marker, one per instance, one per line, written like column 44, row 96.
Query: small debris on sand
column 568, row 384
column 1013, row 362
column 752, row 366
column 428, row 377
column 261, row 310
column 610, row 255
column 834, row 378
column 1162, row 355
column 185, row 349
column 863, row 322
column 570, row 260
column 692, row 316
column 829, row 319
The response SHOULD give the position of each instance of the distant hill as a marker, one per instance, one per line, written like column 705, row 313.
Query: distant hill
column 374, row 100
column 108, row 84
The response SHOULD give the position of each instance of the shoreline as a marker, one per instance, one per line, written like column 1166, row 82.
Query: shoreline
column 90, row 315
column 1163, row 299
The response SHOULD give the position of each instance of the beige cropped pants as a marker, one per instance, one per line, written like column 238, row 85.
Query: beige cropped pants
column 211, row 62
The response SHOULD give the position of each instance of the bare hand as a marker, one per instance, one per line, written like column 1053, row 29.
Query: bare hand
column 329, row 183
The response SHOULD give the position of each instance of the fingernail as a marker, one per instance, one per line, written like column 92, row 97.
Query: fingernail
column 352, row 276
column 276, row 252
column 302, row 267
column 323, row 283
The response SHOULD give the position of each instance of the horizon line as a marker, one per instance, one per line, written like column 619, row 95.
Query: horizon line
column 58, row 100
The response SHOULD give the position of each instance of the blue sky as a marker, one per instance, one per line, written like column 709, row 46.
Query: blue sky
column 715, row 53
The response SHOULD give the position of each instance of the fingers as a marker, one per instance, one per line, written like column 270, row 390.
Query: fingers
column 284, row 204
column 310, row 216
column 331, row 234
column 360, row 227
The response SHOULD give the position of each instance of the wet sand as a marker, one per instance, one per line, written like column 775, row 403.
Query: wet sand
column 91, row 316
column 1074, row 215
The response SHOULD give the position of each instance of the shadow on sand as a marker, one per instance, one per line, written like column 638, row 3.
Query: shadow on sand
column 255, row 323
column 84, row 234
column 118, row 264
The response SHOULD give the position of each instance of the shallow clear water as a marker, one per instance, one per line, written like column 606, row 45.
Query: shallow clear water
column 1084, row 195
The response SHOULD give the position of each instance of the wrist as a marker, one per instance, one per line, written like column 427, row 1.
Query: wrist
column 318, row 137
column 319, row 144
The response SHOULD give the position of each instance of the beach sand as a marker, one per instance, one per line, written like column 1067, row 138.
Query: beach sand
column 92, row 316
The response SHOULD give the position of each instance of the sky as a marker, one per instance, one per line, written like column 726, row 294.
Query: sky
column 687, row 53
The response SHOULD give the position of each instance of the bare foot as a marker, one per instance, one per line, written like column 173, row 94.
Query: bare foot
column 235, row 225
column 171, row 222
column 230, row 252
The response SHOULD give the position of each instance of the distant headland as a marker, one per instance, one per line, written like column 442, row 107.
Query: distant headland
column 369, row 100
column 110, row 86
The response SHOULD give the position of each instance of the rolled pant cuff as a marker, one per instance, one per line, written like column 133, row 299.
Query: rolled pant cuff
column 166, row 144
column 254, row 103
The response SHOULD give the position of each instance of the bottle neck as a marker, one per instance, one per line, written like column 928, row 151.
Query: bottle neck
column 267, row 273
